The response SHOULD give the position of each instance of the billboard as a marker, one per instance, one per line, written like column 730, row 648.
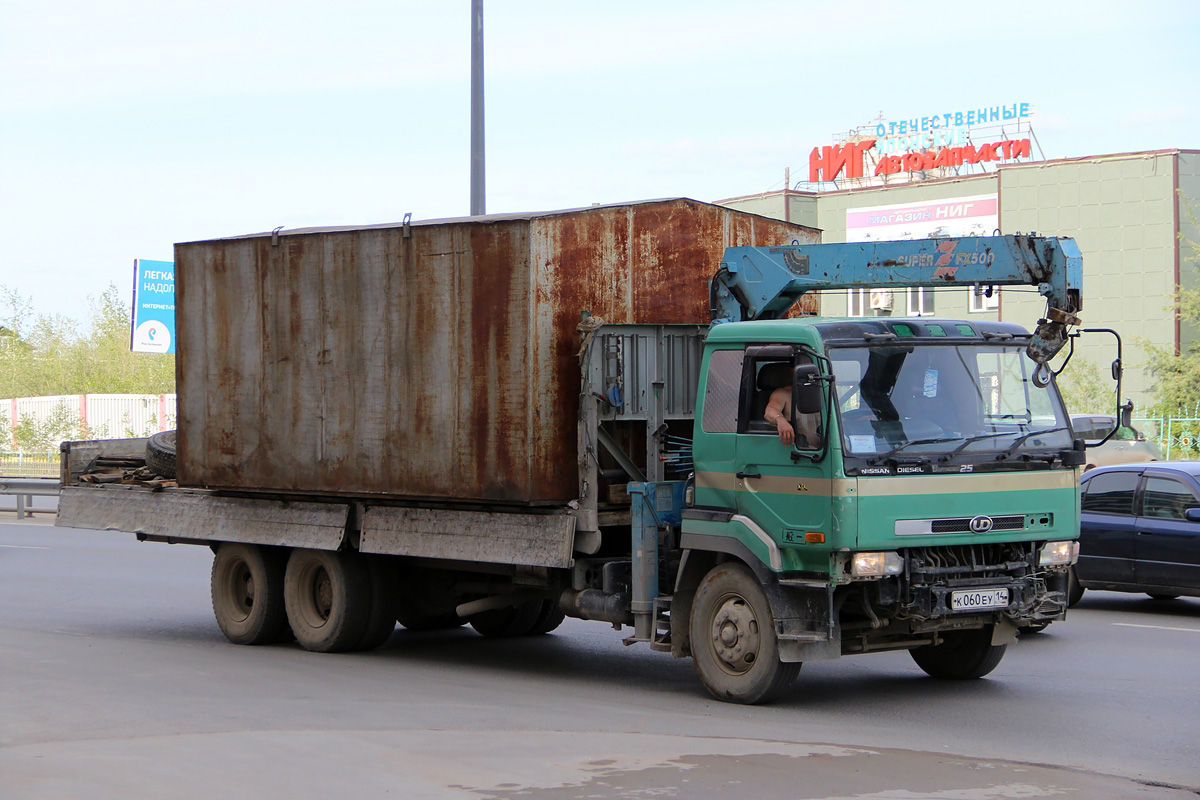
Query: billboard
column 948, row 144
column 153, row 329
column 959, row 216
column 978, row 215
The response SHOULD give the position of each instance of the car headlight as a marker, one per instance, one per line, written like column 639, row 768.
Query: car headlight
column 873, row 565
column 1058, row 554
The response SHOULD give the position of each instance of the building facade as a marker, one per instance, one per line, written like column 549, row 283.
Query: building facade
column 1126, row 211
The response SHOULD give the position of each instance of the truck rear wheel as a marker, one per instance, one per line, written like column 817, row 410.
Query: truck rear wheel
column 427, row 601
column 962, row 655
column 505, row 622
column 381, row 618
column 733, row 638
column 328, row 599
column 247, row 593
column 549, row 618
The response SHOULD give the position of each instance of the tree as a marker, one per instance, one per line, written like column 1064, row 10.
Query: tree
column 47, row 355
column 35, row 435
column 1084, row 390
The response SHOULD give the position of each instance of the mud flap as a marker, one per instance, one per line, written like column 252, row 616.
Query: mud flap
column 806, row 625
column 1004, row 632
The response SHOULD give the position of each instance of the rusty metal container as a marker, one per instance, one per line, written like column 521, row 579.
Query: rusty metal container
column 435, row 360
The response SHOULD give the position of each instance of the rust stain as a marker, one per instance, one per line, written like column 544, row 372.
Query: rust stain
column 435, row 366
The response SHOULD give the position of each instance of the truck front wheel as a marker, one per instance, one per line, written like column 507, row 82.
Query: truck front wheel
column 247, row 593
column 328, row 599
column 733, row 638
column 962, row 655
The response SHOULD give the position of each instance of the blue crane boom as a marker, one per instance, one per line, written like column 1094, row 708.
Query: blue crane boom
column 756, row 283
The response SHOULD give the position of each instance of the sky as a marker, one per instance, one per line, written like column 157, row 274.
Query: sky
column 128, row 126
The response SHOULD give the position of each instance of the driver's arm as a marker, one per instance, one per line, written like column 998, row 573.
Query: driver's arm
column 777, row 414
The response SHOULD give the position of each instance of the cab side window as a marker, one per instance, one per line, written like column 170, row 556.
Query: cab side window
column 721, row 391
column 762, row 379
column 1110, row 493
column 769, row 376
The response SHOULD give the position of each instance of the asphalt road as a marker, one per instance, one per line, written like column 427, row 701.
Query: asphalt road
column 115, row 682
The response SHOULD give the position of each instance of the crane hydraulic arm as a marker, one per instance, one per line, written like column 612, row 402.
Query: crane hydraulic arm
column 764, row 282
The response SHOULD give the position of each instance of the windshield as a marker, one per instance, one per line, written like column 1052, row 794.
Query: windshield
column 944, row 400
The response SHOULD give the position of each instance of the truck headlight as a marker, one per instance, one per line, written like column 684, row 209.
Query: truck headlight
column 1058, row 554
column 873, row 565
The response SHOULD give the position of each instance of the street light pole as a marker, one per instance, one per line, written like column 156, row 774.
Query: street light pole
column 478, row 203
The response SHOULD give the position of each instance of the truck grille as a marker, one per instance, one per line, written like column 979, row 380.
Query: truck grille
column 1013, row 522
column 971, row 561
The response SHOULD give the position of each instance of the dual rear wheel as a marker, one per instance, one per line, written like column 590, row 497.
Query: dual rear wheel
column 337, row 601
column 327, row 601
column 531, row 618
column 247, row 593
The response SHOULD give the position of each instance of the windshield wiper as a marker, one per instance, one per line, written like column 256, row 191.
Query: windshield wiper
column 971, row 440
column 898, row 448
column 1021, row 439
column 980, row 437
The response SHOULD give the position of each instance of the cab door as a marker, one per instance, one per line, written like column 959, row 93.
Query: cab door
column 784, row 496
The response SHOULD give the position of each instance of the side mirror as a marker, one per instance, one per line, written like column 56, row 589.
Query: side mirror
column 1127, row 414
column 806, row 389
column 1192, row 515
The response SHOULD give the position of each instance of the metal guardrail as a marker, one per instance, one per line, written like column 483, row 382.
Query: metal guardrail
column 25, row 489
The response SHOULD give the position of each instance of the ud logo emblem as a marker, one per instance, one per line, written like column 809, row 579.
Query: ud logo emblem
column 981, row 524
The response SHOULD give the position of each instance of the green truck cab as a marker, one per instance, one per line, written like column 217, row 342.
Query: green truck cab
column 929, row 502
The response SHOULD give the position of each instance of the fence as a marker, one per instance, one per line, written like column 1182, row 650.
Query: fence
column 29, row 465
column 1177, row 437
column 34, row 424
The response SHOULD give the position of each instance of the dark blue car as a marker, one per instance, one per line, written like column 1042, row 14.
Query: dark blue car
column 1140, row 530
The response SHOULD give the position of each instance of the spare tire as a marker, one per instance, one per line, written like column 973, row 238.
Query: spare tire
column 160, row 454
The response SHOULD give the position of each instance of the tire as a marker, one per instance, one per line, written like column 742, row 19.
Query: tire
column 549, row 618
column 733, row 638
column 1157, row 596
column 502, row 623
column 381, row 618
column 417, row 619
column 160, row 453
column 247, row 593
column 962, row 655
column 1074, row 589
column 328, row 599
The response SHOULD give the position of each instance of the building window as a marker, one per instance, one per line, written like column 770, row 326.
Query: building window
column 920, row 301
column 984, row 298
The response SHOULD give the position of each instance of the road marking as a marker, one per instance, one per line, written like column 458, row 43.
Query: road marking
column 1155, row 627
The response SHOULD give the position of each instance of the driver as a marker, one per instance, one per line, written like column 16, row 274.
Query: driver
column 779, row 411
